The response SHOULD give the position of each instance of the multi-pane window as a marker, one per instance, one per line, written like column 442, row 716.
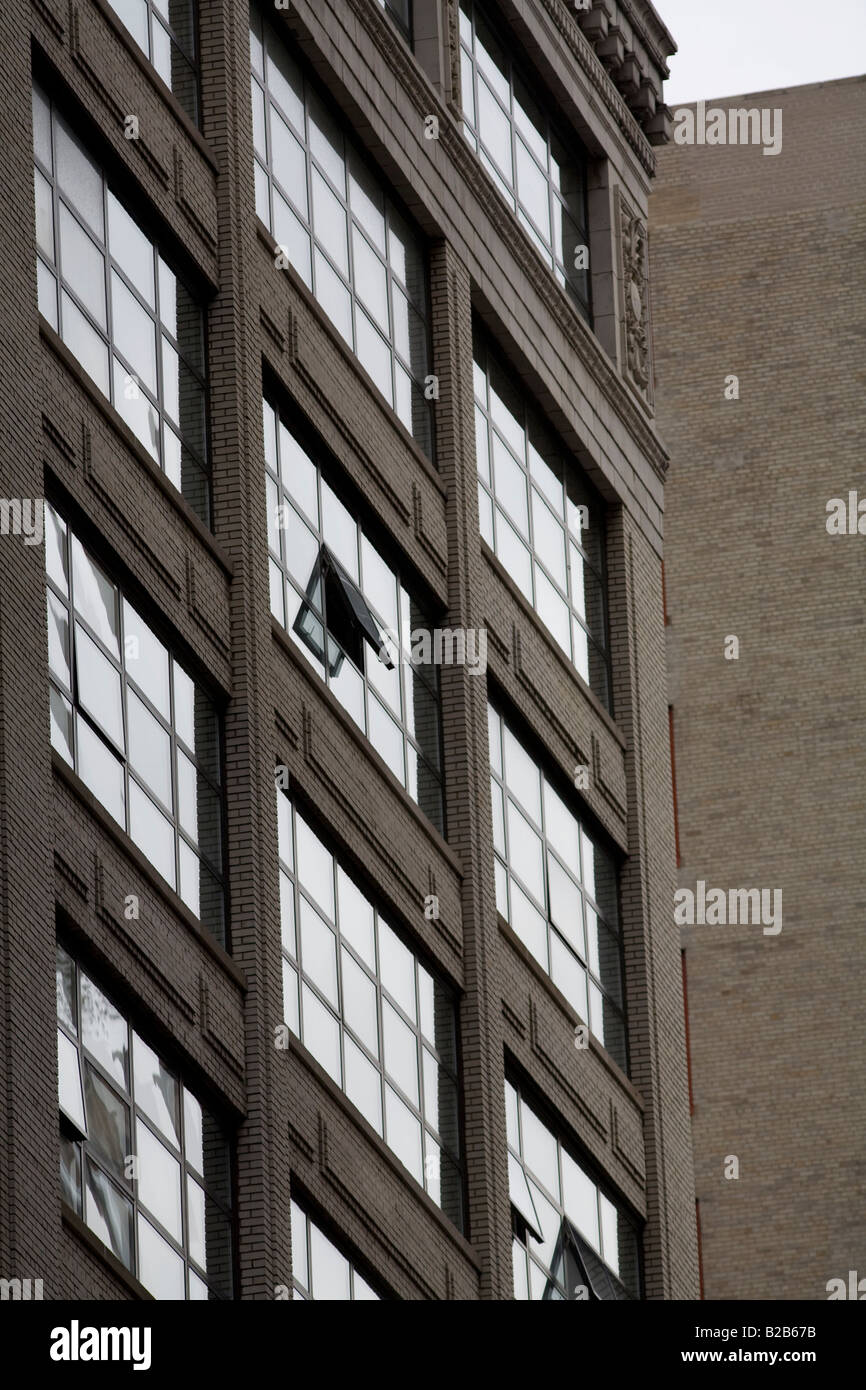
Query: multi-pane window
column 542, row 517
column 401, row 13
column 557, row 887
column 341, row 231
column 131, row 322
column 380, row 1023
column 540, row 173
column 142, row 736
column 320, row 1270
column 571, row 1242
column 345, row 606
column 165, row 31
column 141, row 1162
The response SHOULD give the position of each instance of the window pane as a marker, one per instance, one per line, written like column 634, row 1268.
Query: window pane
column 160, row 1268
column 146, row 660
column 363, row 1085
column 359, row 1003
column 134, row 332
column 159, row 1180
column 522, row 776
column 79, row 177
column 149, row 749
column 403, row 1132
column 315, row 866
column 152, row 832
column 131, row 249
column 100, row 770
column 330, row 1269
column 69, row 1081
column 397, row 967
column 401, row 1053
column 318, row 951
column 321, row 1034
column 83, row 265
column 356, row 919
column 156, row 1090
column 108, row 1122
column 109, row 1215
column 85, row 343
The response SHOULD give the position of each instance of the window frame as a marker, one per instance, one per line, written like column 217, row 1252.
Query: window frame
column 413, row 753
column 293, row 966
column 157, row 401
column 589, row 902
column 484, row 357
column 300, row 1211
column 168, row 725
column 417, row 304
column 155, row 17
column 89, row 1157
column 555, row 131
column 568, row 1233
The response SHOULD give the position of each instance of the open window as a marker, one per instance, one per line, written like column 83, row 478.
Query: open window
column 576, row 1267
column 336, row 615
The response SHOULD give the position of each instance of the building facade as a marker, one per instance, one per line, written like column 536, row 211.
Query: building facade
column 758, row 296
column 334, row 761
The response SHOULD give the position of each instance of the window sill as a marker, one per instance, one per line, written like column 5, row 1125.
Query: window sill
column 387, row 412
column 53, row 340
column 85, row 1236
column 567, row 666
column 317, row 1071
column 162, row 89
column 441, row 845
column 600, row 1051
column 179, row 908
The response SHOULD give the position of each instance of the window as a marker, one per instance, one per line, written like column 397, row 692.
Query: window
column 139, row 732
column 319, row 1270
column 382, row 1025
column 341, row 231
column 131, row 322
column 165, row 31
column 571, row 1241
column 346, row 608
column 557, row 887
column 401, row 13
column 141, row 1162
column 540, row 173
column 542, row 517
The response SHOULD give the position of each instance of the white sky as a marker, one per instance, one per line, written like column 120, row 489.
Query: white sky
column 729, row 47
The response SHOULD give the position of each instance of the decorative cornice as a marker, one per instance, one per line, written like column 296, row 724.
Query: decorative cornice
column 592, row 67
column 469, row 168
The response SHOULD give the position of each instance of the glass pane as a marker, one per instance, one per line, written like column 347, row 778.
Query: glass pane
column 326, row 142
column 285, row 82
column 160, row 1268
column 146, row 660
column 100, row 770
column 133, row 332
column 403, row 1134
column 397, row 970
column 108, row 1122
column 533, row 190
column 152, row 832
column 359, row 1003
column 363, row 1084
column 42, row 127
column 400, row 1052
column 561, row 829
column 70, row 1173
column 67, row 1001
column 565, row 904
column 568, row 975
column 580, row 1199
column 514, row 555
column 289, row 163
column 79, row 176
column 299, row 475
column 340, row 531
column 156, row 1090
column 525, row 851
column 99, row 686
column 370, row 280
column 159, row 1181
column 104, row 1031
column 330, row 1269
column 196, row 1221
column 356, row 918
column 291, row 1006
column 553, row 610
column 149, row 749
column 318, row 951
column 315, row 867
column 321, row 1034
column 300, row 1265
column 192, row 1131
column 134, row 15
column 56, row 557
column 109, row 1215
column 69, row 1081
column 374, row 354
column 366, row 200
column 138, row 412
column 85, row 343
column 131, row 249
column 528, row 923
column 333, row 297
column 387, row 738
column 82, row 266
column 58, row 640
column 184, row 706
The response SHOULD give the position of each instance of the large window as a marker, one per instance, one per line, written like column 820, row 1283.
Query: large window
column 341, row 231
column 346, row 608
column 571, row 1242
column 373, row 1015
column 141, row 1161
column 131, row 322
column 320, row 1270
column 540, row 173
column 557, row 887
column 165, row 31
column 542, row 517
column 134, row 725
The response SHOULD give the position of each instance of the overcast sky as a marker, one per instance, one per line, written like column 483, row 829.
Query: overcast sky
column 728, row 47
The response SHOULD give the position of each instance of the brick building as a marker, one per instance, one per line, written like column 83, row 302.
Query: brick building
column 757, row 274
column 361, row 990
